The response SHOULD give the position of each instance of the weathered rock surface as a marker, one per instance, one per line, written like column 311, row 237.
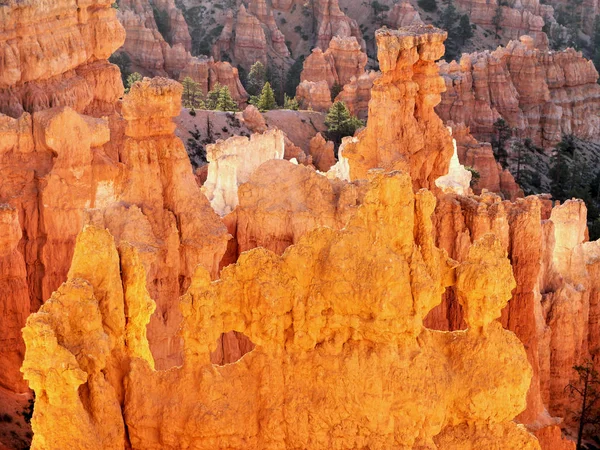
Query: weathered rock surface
column 543, row 95
column 331, row 21
column 314, row 95
column 208, row 73
column 480, row 157
column 322, row 153
column 403, row 15
column 403, row 131
column 57, row 56
column 233, row 161
column 357, row 94
column 109, row 362
column 252, row 35
column 458, row 179
column 516, row 18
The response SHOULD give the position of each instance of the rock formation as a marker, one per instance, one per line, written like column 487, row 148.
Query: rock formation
column 57, row 56
column 314, row 95
column 295, row 309
column 516, row 18
column 153, row 54
column 480, row 157
column 458, row 179
column 252, row 35
column 541, row 94
column 322, row 153
column 331, row 21
column 404, row 132
column 357, row 94
column 403, row 15
column 231, row 163
column 342, row 61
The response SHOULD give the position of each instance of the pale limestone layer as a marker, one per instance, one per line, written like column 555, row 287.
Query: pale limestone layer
column 231, row 163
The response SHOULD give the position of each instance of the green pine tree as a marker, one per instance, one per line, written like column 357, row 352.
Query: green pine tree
column 225, row 102
column 340, row 123
column 291, row 103
column 132, row 79
column 191, row 93
column 465, row 31
column 266, row 101
column 502, row 134
column 256, row 78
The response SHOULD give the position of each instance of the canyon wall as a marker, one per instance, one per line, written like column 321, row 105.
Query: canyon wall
column 542, row 95
column 511, row 19
column 57, row 56
column 309, row 339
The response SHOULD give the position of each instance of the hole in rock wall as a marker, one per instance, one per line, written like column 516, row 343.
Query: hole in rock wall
column 231, row 346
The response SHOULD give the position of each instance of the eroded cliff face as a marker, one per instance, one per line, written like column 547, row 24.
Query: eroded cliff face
column 311, row 325
column 543, row 95
column 404, row 132
column 515, row 18
column 56, row 55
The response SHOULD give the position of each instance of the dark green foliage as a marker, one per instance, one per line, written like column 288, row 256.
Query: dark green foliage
column 379, row 11
column 131, row 80
column 266, row 101
column 335, row 91
column 427, row 5
column 123, row 61
column 340, row 123
column 464, row 31
column 453, row 23
column 191, row 96
column 290, row 103
column 586, row 393
column 257, row 77
column 292, row 80
column 475, row 176
column 502, row 134
column 219, row 99
column 596, row 43
column 163, row 23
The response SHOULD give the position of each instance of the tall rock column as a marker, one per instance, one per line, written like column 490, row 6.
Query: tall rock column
column 404, row 132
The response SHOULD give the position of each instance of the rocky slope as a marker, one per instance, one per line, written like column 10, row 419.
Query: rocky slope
column 542, row 95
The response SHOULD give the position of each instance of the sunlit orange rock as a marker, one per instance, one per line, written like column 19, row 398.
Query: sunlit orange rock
column 309, row 339
column 314, row 96
column 57, row 56
column 406, row 93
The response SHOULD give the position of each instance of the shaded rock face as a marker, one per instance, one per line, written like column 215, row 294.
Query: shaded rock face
column 342, row 64
column 250, row 35
column 543, row 95
column 480, row 157
column 331, row 21
column 57, row 56
column 298, row 348
column 403, row 15
column 406, row 93
column 516, row 18
column 155, row 54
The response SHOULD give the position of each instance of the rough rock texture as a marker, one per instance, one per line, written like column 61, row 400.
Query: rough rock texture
column 458, row 179
column 331, row 21
column 480, row 157
column 403, row 131
column 231, row 163
column 403, row 15
column 322, row 153
column 57, row 56
column 357, row 94
column 541, row 94
column 517, row 18
column 342, row 61
column 314, row 95
column 310, row 340
column 208, row 73
column 252, row 35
